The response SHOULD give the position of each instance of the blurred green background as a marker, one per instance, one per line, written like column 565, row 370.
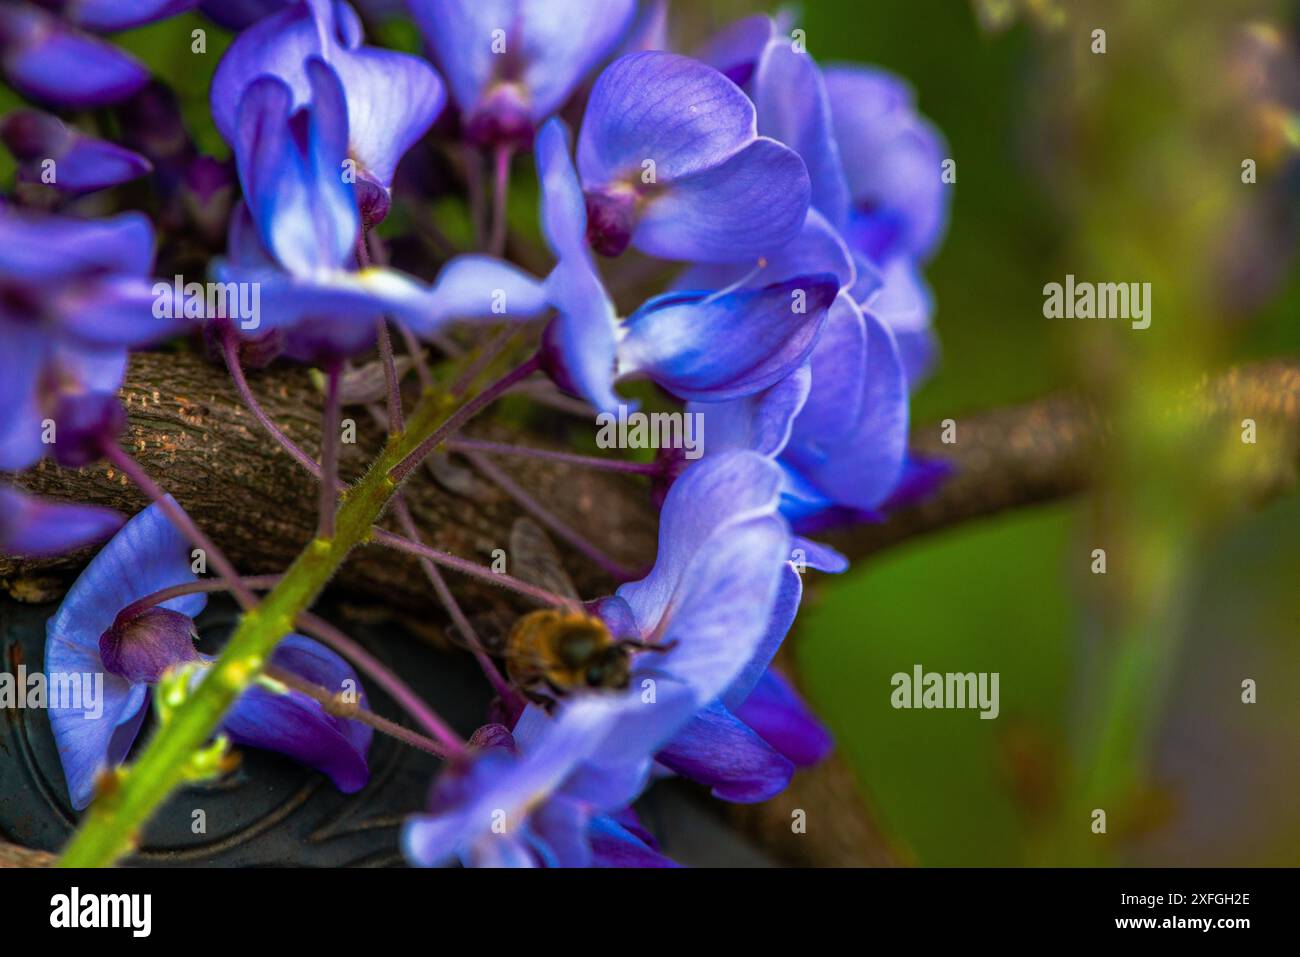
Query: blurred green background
column 1009, row 594
column 1052, row 178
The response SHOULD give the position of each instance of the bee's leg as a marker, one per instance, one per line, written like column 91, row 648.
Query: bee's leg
column 544, row 701
column 648, row 645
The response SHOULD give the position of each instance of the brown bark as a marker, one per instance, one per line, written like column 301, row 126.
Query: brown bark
column 190, row 432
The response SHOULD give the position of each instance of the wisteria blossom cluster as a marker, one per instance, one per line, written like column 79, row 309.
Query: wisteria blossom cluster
column 787, row 210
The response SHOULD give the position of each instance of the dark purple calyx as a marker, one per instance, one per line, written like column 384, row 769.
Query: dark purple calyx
column 501, row 118
column 611, row 217
column 140, row 646
column 372, row 198
column 208, row 193
column 85, row 423
column 554, row 364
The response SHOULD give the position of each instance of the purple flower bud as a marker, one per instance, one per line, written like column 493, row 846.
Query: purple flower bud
column 140, row 647
column 85, row 423
column 501, row 119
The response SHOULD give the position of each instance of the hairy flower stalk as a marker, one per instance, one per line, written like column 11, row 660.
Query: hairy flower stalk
column 230, row 349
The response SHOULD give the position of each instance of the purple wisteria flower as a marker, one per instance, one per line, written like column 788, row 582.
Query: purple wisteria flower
column 33, row 528
column 390, row 99
column 512, row 63
column 670, row 339
column 709, row 605
column 102, row 629
column 75, row 295
column 51, row 58
column 672, row 164
column 297, row 232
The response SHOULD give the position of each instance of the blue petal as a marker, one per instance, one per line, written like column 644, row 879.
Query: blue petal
column 673, row 339
column 480, row 287
column 31, row 527
column 336, row 305
column 116, row 314
column 147, row 555
column 613, row 845
column 581, row 340
column 722, row 609
column 22, row 362
column 818, row 556
column 718, row 193
column 240, row 14
column 817, row 248
column 500, row 790
column 719, row 750
column 564, row 212
column 393, row 99
column 776, row 712
column 784, row 608
column 790, row 96
column 460, row 34
column 761, row 422
column 838, row 377
column 307, row 216
column 858, row 467
column 550, row 45
column 561, row 825
column 682, row 114
column 297, row 726
column 892, row 158
column 49, row 61
column 754, row 200
column 47, row 248
column 563, row 40
column 904, row 304
column 736, row 48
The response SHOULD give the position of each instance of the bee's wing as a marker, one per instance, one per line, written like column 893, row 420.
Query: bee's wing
column 535, row 560
column 490, row 628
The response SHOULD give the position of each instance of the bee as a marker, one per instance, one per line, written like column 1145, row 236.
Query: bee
column 552, row 652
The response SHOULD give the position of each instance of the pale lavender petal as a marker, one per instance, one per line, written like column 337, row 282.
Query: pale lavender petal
column 707, row 497
column 753, row 201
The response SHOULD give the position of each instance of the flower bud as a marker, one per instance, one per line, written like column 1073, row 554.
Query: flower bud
column 143, row 645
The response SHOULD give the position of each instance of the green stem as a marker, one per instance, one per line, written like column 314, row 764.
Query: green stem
column 124, row 803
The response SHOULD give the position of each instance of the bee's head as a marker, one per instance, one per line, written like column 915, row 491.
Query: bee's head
column 611, row 668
